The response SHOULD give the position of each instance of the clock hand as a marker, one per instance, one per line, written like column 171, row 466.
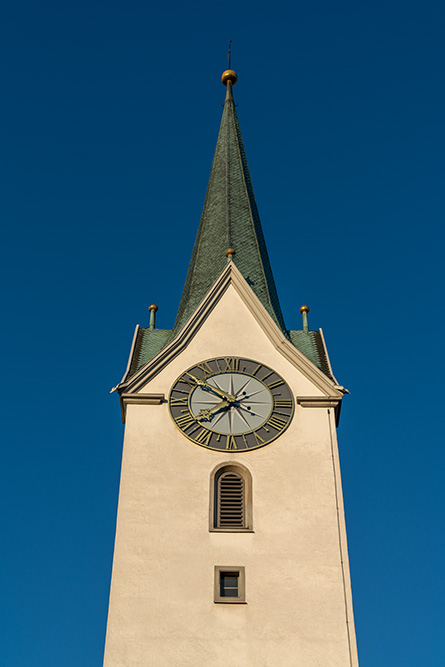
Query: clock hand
column 254, row 393
column 250, row 412
column 208, row 387
column 240, row 390
column 208, row 414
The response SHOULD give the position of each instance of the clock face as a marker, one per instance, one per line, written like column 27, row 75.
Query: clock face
column 231, row 404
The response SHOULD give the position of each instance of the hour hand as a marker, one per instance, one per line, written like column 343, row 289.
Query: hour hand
column 209, row 387
column 207, row 415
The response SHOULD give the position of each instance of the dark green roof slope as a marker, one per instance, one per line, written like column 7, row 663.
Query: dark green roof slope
column 311, row 344
column 151, row 341
column 229, row 220
column 148, row 343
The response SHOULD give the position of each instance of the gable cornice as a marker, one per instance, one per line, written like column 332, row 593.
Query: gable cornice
column 231, row 276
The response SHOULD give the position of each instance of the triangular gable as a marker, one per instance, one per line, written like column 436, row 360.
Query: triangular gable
column 232, row 276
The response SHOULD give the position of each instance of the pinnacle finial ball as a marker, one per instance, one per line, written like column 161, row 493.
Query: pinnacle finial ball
column 230, row 252
column 229, row 75
column 153, row 307
column 304, row 309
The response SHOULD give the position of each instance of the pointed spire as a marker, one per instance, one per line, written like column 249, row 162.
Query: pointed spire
column 229, row 220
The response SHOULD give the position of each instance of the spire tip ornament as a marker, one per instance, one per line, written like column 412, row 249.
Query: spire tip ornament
column 229, row 75
column 230, row 254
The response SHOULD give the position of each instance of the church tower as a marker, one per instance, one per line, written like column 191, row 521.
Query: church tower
column 230, row 543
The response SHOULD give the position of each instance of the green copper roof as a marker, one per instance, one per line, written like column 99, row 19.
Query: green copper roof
column 151, row 341
column 310, row 343
column 229, row 220
column 148, row 343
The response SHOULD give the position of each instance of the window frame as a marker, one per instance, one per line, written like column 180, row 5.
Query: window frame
column 241, row 572
column 241, row 470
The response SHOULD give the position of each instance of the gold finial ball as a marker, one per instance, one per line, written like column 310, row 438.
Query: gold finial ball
column 230, row 252
column 304, row 309
column 229, row 75
column 153, row 307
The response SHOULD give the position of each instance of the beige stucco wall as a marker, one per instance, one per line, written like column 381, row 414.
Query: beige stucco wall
column 161, row 605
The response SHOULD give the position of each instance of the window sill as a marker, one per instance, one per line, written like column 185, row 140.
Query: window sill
column 231, row 530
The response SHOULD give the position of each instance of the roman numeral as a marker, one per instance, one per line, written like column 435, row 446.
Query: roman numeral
column 232, row 364
column 231, row 442
column 276, row 422
column 185, row 421
column 203, row 436
column 258, row 438
column 285, row 403
column 272, row 385
column 205, row 368
column 256, row 369
column 191, row 383
column 178, row 401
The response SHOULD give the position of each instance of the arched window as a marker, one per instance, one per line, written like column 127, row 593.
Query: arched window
column 231, row 499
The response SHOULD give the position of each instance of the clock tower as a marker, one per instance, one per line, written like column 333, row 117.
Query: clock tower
column 230, row 542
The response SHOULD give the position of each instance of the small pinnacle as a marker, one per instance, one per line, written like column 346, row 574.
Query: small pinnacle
column 304, row 311
column 152, row 310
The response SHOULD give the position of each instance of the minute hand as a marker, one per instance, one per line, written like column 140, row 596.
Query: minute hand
column 216, row 390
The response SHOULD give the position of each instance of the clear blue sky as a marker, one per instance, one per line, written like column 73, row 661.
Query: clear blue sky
column 109, row 118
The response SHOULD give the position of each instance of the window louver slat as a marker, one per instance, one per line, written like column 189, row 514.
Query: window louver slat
column 230, row 501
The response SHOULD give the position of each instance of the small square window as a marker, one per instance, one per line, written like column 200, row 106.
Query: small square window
column 230, row 584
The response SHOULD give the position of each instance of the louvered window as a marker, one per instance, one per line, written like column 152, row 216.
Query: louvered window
column 230, row 501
